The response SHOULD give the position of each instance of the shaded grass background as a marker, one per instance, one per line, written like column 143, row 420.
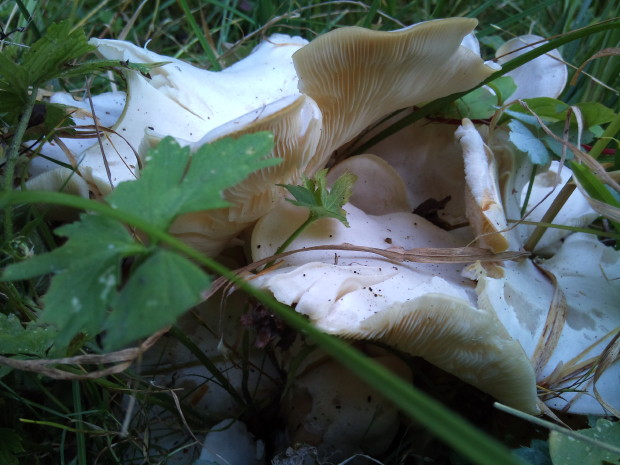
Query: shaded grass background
column 78, row 422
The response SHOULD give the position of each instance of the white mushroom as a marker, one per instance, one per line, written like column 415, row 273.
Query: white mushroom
column 544, row 76
column 326, row 409
column 422, row 309
column 483, row 201
column 559, row 326
column 230, row 443
column 580, row 326
column 184, row 101
column 357, row 76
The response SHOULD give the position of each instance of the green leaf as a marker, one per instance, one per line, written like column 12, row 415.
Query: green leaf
column 173, row 182
column 551, row 110
column 48, row 56
column 87, row 273
column 161, row 289
column 478, row 104
column 595, row 113
column 88, row 293
column 78, row 299
column 17, row 340
column 10, row 444
column 536, row 454
column 482, row 103
column 92, row 239
column 547, row 108
column 504, row 87
column 567, row 450
column 321, row 202
column 92, row 66
column 525, row 141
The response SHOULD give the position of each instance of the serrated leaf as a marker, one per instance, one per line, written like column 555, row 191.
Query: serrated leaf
column 321, row 202
column 94, row 238
column 10, row 444
column 78, row 299
column 17, row 340
column 525, row 141
column 547, row 108
column 173, row 182
column 49, row 55
column 87, row 273
column 566, row 450
column 161, row 289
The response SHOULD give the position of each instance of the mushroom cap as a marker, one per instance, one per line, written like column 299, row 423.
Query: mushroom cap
column 182, row 101
column 372, row 172
column 108, row 108
column 296, row 123
column 216, row 97
column 357, row 75
column 325, row 409
column 586, row 272
column 357, row 295
column 469, row 342
column 483, row 201
column 544, row 76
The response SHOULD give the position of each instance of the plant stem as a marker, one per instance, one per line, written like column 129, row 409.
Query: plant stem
column 311, row 219
column 553, row 427
column 610, row 132
column 12, row 155
column 549, row 215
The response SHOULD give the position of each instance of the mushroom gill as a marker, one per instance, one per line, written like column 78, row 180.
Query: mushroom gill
column 358, row 76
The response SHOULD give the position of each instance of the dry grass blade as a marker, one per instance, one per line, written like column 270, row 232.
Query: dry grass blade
column 574, row 374
column 556, row 317
column 122, row 360
column 609, row 356
column 606, row 52
column 396, row 254
column 596, row 168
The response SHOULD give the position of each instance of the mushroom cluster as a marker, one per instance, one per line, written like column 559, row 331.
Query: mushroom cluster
column 506, row 328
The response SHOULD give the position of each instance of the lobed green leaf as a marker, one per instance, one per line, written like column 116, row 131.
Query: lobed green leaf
column 321, row 202
column 158, row 291
column 174, row 182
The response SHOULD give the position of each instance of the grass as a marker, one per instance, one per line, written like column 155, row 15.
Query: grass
column 84, row 422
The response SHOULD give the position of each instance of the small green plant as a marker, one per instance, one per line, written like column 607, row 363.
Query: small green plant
column 322, row 203
column 88, row 293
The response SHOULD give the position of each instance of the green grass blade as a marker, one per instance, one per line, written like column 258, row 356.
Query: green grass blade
column 202, row 40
